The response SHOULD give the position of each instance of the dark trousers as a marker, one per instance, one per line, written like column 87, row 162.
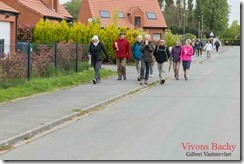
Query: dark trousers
column 145, row 65
column 97, row 66
column 217, row 48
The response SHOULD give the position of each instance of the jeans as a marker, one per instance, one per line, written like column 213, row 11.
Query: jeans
column 144, row 65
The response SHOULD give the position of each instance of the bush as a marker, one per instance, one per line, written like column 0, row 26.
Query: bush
column 227, row 41
column 25, row 33
column 14, row 66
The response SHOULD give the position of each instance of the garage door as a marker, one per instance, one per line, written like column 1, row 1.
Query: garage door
column 5, row 35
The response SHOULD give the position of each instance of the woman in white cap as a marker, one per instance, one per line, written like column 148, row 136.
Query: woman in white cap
column 95, row 53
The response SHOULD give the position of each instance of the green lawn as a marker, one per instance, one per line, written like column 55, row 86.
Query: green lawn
column 14, row 89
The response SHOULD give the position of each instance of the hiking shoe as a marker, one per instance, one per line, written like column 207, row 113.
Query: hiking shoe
column 162, row 81
column 119, row 79
column 145, row 82
column 124, row 78
column 94, row 81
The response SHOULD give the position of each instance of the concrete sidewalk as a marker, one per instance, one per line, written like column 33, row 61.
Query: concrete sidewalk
column 25, row 118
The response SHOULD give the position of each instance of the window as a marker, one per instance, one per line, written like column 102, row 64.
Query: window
column 151, row 15
column 104, row 14
column 156, row 36
column 137, row 21
column 121, row 15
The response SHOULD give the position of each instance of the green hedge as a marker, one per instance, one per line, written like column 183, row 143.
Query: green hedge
column 47, row 33
column 227, row 41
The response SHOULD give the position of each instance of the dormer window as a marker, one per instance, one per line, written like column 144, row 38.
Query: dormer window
column 137, row 21
column 104, row 14
column 121, row 15
column 151, row 15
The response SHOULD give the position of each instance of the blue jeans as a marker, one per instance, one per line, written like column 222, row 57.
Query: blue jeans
column 144, row 65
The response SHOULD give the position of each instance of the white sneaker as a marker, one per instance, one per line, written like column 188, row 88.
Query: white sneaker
column 151, row 75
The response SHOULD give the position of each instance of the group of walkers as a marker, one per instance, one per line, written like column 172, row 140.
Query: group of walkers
column 144, row 53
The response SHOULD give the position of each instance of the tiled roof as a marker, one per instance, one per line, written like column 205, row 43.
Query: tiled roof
column 41, row 8
column 128, row 6
column 4, row 7
column 64, row 12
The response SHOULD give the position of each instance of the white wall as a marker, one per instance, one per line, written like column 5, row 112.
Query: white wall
column 5, row 34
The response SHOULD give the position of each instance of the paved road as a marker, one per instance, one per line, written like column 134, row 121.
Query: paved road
column 156, row 124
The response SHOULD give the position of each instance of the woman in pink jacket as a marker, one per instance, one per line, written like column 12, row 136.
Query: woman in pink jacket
column 186, row 56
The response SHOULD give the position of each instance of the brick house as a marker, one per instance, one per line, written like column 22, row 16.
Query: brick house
column 31, row 11
column 8, row 30
column 143, row 14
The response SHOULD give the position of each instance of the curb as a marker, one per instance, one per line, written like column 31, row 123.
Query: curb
column 49, row 125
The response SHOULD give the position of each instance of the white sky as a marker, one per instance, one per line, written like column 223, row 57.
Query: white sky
column 234, row 9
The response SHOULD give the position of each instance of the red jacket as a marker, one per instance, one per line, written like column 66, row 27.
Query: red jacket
column 124, row 49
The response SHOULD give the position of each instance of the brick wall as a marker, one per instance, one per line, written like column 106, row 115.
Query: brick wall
column 26, row 17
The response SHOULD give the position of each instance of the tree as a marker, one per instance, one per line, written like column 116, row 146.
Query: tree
column 190, row 14
column 233, row 30
column 73, row 8
column 215, row 15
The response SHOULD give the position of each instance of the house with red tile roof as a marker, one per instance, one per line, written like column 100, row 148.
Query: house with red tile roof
column 8, row 28
column 31, row 11
column 144, row 14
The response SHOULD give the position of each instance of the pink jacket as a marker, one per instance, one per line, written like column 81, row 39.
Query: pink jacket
column 186, row 53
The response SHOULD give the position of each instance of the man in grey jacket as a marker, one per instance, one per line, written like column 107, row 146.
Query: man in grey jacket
column 147, row 48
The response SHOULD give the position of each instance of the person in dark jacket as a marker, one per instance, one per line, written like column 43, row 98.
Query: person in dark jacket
column 137, row 55
column 147, row 48
column 122, row 52
column 175, row 56
column 197, row 46
column 217, row 44
column 162, row 56
column 95, row 53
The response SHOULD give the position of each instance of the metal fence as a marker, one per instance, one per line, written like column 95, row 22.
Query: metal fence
column 41, row 60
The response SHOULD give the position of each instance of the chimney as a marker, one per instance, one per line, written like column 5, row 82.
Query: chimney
column 52, row 4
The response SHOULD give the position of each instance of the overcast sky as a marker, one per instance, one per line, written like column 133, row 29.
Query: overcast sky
column 234, row 9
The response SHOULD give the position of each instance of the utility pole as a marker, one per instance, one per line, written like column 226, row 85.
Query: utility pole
column 199, row 26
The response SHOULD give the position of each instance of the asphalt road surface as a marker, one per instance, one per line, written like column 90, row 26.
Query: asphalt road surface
column 198, row 119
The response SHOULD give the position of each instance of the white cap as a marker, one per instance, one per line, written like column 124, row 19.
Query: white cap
column 95, row 37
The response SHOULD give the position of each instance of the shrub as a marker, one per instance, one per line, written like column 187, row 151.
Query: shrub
column 14, row 66
column 25, row 33
column 42, row 60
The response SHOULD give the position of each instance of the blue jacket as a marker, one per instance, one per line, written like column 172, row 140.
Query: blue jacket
column 136, row 50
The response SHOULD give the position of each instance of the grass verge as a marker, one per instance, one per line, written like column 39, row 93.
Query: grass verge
column 20, row 88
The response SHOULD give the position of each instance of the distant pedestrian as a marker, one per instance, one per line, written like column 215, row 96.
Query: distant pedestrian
column 201, row 47
column 137, row 55
column 162, row 55
column 175, row 56
column 95, row 54
column 217, row 44
column 122, row 52
column 186, row 57
column 198, row 48
column 147, row 49
column 208, row 47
